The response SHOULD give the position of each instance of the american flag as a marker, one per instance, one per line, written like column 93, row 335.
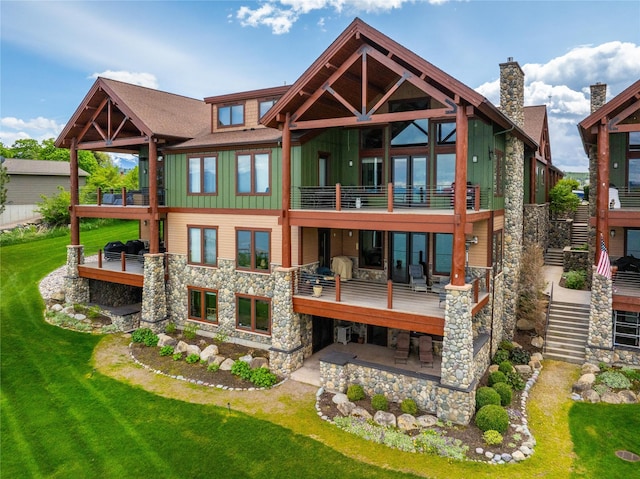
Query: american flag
column 604, row 265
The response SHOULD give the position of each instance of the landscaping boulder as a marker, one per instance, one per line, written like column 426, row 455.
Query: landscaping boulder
column 588, row 378
column 59, row 296
column 537, row 356
column 259, row 363
column 166, row 340
column 209, row 352
column 407, row 422
column 627, row 397
column 346, row 408
column 518, row 456
column 590, row 368
column 525, row 325
column 57, row 308
column 193, row 349
column 537, row 342
column 535, row 364
column 493, row 368
column 610, row 398
column 226, row 364
column 384, row 418
column 523, row 369
column 246, row 358
column 340, row 398
column 427, row 420
column 217, row 360
column 591, row 396
column 181, row 347
column 361, row 412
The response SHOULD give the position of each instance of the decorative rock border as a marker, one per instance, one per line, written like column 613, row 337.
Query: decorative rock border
column 526, row 448
column 197, row 382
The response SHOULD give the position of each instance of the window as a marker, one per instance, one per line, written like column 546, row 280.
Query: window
column 371, row 248
column 231, row 115
column 634, row 141
column 626, row 326
column 446, row 133
column 253, row 314
column 410, row 133
column 443, row 249
column 371, row 138
column 632, row 242
column 253, row 173
column 253, row 250
column 445, row 170
column 497, row 251
column 202, row 175
column 203, row 245
column 371, row 172
column 265, row 106
column 634, row 173
column 203, row 304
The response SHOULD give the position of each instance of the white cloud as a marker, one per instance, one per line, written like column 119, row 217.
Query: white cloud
column 36, row 128
column 280, row 15
column 142, row 79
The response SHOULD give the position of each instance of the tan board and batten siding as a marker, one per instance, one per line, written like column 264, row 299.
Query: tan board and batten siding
column 227, row 226
column 478, row 253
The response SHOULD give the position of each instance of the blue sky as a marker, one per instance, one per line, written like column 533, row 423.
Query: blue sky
column 51, row 52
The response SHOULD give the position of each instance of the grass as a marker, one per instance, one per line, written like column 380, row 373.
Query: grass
column 60, row 417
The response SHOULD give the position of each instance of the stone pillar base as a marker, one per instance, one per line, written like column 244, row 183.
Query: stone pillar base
column 283, row 363
column 76, row 290
column 455, row 405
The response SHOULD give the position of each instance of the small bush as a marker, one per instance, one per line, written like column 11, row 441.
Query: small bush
column 506, row 345
column 520, row 356
column 409, row 406
column 492, row 438
column 492, row 417
column 170, row 328
column 190, row 330
column 501, row 356
column 496, row 377
column 166, row 350
column 242, row 370
column 486, row 395
column 505, row 367
column 575, row 279
column 614, row 379
column 263, row 378
column 177, row 356
column 504, row 390
column 213, row 367
column 193, row 358
column 516, row 381
column 379, row 403
column 355, row 392
column 631, row 374
column 146, row 336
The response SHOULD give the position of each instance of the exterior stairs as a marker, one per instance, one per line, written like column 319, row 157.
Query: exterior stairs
column 554, row 257
column 580, row 226
column 567, row 332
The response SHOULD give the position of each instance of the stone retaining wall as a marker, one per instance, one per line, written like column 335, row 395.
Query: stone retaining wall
column 536, row 225
column 560, row 233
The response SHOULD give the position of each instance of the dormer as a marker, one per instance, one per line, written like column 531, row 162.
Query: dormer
column 242, row 111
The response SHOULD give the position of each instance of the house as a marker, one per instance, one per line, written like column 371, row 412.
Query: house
column 290, row 218
column 28, row 181
column 611, row 138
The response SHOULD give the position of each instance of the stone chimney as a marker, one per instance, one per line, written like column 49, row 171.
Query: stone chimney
column 512, row 91
column 598, row 96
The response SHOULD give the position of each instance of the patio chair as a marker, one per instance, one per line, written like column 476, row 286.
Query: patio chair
column 426, row 350
column 417, row 278
column 402, row 348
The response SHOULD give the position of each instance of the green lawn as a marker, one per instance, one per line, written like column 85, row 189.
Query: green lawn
column 61, row 418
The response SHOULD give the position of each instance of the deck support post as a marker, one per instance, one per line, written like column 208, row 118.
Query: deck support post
column 154, row 298
column 600, row 339
column 76, row 288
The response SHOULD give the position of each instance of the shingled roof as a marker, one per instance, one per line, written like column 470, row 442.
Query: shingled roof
column 17, row 166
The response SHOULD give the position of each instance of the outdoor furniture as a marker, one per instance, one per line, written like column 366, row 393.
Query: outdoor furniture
column 426, row 350
column 402, row 348
column 417, row 278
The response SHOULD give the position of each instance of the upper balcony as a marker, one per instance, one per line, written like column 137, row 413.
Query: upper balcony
column 624, row 207
column 626, row 290
column 123, row 203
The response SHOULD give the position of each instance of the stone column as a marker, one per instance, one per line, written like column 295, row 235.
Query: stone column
column 600, row 339
column 286, row 353
column 598, row 99
column 154, row 299
column 456, row 394
column 76, row 288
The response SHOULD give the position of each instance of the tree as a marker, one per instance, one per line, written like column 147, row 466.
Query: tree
column 4, row 179
column 26, row 149
column 562, row 198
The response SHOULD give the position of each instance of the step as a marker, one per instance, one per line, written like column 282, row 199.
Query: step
column 566, row 331
column 561, row 342
column 567, row 358
column 571, row 306
column 569, row 318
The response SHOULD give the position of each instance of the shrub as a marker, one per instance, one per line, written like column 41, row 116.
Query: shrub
column 631, row 374
column 496, row 377
column 166, row 350
column 505, row 367
column 516, row 381
column 486, row 395
column 213, row 367
column 170, row 328
column 492, row 438
column 146, row 336
column 355, row 392
column 575, row 279
column 614, row 379
column 501, row 356
column 190, row 330
column 263, row 378
column 506, row 345
column 379, row 403
column 409, row 406
column 492, row 417
column 562, row 199
column 55, row 209
column 242, row 370
column 520, row 356
column 193, row 358
column 504, row 390
column 177, row 356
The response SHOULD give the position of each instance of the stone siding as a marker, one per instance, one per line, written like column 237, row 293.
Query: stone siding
column 457, row 343
column 113, row 294
column 575, row 260
column 560, row 233
column 76, row 288
column 536, row 225
column 600, row 338
column 154, row 298
column 628, row 357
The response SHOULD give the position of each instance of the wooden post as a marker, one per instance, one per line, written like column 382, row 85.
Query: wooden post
column 154, row 239
column 389, row 294
column 390, row 197
column 100, row 258
column 123, row 192
column 338, row 197
column 123, row 261
column 73, row 171
column 338, row 291
column 286, row 193
column 460, row 197
column 602, row 193
column 99, row 199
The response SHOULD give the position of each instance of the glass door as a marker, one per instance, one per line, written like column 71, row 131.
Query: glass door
column 399, row 257
column 409, row 180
